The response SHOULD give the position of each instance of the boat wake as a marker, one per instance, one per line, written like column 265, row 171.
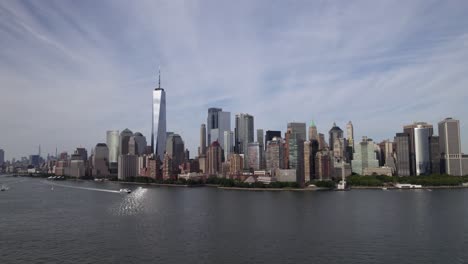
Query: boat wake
column 82, row 188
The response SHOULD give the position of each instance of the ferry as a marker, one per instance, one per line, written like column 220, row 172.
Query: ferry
column 125, row 190
column 408, row 186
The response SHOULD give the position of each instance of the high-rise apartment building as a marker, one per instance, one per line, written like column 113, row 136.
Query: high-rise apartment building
column 158, row 130
column 402, row 143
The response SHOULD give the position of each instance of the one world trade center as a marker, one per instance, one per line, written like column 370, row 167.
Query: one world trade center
column 158, row 133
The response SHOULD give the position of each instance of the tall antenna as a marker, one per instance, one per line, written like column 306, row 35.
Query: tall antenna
column 159, row 83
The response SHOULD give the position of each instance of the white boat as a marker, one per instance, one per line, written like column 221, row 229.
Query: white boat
column 125, row 190
column 4, row 188
column 408, row 186
column 384, row 188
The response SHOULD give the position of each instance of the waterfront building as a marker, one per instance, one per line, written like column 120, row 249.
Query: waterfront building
column 2, row 157
column 387, row 171
column 112, row 140
column 286, row 175
column 322, row 142
column 137, row 144
column 202, row 147
column 254, row 157
column 313, row 133
column 218, row 122
column 202, row 163
column 244, row 134
column 403, row 166
column 435, row 154
column 214, row 155
column 158, row 130
column 83, row 153
column 409, row 129
column 422, row 150
column 128, row 167
column 334, row 134
column 453, row 161
column 364, row 156
column 167, row 167
column 236, row 164
column 100, row 161
column 274, row 155
column 77, row 167
column 124, row 140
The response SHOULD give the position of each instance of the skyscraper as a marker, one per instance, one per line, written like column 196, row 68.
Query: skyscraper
column 176, row 150
column 422, row 150
column 137, row 144
column 254, row 157
column 350, row 134
column 269, row 135
column 313, row 133
column 124, row 140
column 218, row 122
column 409, row 129
column 260, row 140
column 298, row 129
column 334, row 133
column 244, row 134
column 214, row 155
column 435, row 154
column 402, row 154
column 113, row 145
column 158, row 132
column 228, row 144
column 2, row 157
column 364, row 156
column 450, row 147
column 307, row 160
column 100, row 164
column 296, row 156
column 202, row 148
column 274, row 155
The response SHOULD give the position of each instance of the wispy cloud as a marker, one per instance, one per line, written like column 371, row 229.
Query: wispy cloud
column 70, row 70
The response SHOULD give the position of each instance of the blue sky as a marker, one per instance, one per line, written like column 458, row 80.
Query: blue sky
column 70, row 70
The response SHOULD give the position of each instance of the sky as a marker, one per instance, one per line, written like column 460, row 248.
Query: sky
column 71, row 70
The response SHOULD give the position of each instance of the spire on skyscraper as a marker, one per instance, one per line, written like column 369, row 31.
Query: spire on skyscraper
column 159, row 82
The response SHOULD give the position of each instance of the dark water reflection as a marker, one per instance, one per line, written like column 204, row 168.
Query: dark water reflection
column 81, row 222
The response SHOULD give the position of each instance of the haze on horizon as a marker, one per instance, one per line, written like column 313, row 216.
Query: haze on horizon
column 71, row 70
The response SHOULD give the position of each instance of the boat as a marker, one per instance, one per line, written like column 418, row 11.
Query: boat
column 125, row 190
column 384, row 188
column 4, row 188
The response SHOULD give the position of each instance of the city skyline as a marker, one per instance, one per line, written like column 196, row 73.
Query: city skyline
column 67, row 81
